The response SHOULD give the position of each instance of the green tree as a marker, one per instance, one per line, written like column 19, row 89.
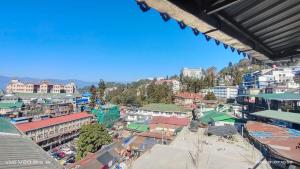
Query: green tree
column 237, row 76
column 210, row 96
column 116, row 100
column 93, row 97
column 151, row 95
column 92, row 137
column 101, row 90
column 159, row 93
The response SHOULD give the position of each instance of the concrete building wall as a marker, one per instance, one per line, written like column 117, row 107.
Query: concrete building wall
column 47, row 133
column 57, row 88
column 175, row 86
column 225, row 91
column 183, row 101
column 192, row 73
column 15, row 86
column 268, row 77
column 70, row 88
column 157, row 113
column 43, row 88
column 29, row 88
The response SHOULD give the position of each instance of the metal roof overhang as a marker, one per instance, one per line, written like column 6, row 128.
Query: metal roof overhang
column 267, row 30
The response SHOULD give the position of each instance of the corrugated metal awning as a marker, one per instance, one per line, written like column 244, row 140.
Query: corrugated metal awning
column 267, row 30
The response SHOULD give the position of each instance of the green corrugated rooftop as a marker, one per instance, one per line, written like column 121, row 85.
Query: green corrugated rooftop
column 278, row 96
column 160, row 107
column 10, row 105
column 279, row 115
column 108, row 106
column 47, row 95
column 7, row 127
column 138, row 127
column 213, row 115
column 222, row 117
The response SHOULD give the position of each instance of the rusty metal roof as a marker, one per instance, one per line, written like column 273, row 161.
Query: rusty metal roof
column 267, row 30
column 282, row 141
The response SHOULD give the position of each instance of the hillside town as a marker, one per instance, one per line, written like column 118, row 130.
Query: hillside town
column 198, row 113
column 69, row 98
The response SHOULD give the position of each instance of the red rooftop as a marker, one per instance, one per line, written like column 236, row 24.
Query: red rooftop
column 170, row 120
column 189, row 95
column 24, row 127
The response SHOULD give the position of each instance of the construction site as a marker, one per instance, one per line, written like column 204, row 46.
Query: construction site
column 193, row 150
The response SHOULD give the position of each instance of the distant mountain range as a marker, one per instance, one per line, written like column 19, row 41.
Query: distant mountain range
column 4, row 80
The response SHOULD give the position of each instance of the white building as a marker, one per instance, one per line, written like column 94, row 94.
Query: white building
column 225, row 91
column 173, row 83
column 147, row 112
column 270, row 77
column 292, row 85
column 176, row 86
column 282, row 75
column 193, row 73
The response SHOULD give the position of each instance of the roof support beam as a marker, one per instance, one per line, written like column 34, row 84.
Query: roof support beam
column 294, row 55
column 252, row 17
column 216, row 7
column 280, row 36
column 212, row 30
column 279, row 31
column 291, row 52
column 244, row 33
column 267, row 32
column 284, row 41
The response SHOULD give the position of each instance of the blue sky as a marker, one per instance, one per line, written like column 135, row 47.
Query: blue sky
column 94, row 39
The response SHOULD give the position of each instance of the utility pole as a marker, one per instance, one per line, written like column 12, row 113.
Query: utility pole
column 268, row 102
column 242, row 131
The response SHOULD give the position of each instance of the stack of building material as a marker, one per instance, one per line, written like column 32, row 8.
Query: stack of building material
column 226, row 130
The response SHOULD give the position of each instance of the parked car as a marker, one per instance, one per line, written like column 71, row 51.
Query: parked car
column 55, row 149
column 68, row 152
column 57, row 157
column 61, row 154
column 194, row 126
column 70, row 159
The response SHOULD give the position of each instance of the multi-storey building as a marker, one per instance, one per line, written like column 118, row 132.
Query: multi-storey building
column 54, row 131
column 60, row 109
column 70, row 88
column 17, row 151
column 187, row 98
column 270, row 77
column 193, row 73
column 225, row 91
column 146, row 113
column 16, row 86
column 258, row 79
column 7, row 108
column 173, row 83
